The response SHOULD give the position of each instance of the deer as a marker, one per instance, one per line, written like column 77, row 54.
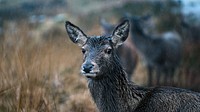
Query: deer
column 160, row 53
column 127, row 51
column 190, row 32
column 108, row 82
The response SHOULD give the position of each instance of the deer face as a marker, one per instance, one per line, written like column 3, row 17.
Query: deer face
column 98, row 51
column 138, row 23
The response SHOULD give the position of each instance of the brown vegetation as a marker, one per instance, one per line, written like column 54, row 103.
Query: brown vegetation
column 40, row 75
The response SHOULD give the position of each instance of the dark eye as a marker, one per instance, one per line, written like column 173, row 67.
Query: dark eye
column 108, row 50
column 83, row 51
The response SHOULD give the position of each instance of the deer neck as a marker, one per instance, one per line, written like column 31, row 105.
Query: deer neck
column 113, row 93
column 142, row 41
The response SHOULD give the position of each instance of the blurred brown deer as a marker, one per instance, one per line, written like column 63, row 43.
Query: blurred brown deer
column 190, row 32
column 190, row 66
column 161, row 53
column 127, row 51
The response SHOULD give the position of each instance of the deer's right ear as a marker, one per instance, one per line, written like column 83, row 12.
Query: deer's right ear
column 75, row 34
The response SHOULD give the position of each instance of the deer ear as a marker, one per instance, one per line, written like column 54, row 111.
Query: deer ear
column 120, row 33
column 107, row 27
column 75, row 34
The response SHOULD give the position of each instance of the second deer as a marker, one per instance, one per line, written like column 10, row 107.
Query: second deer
column 161, row 53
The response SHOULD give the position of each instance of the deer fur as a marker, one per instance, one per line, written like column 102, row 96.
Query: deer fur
column 127, row 52
column 108, row 83
column 161, row 53
column 189, row 31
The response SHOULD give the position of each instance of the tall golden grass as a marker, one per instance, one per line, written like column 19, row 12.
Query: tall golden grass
column 41, row 75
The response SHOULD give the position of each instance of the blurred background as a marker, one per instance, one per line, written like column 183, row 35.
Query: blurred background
column 39, row 65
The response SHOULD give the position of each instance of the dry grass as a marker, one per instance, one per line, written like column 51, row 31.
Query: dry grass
column 40, row 75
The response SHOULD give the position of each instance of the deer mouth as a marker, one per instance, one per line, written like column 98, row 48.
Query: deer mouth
column 91, row 74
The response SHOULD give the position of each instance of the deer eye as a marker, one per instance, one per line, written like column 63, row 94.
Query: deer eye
column 83, row 51
column 108, row 50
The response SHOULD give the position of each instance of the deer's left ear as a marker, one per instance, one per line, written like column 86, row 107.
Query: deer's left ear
column 120, row 33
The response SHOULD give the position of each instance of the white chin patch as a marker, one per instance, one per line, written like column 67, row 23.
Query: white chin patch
column 89, row 74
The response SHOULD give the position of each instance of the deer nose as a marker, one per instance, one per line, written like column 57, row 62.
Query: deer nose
column 87, row 68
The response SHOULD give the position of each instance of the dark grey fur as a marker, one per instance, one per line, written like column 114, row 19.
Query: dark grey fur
column 127, row 51
column 161, row 53
column 108, row 83
column 190, row 32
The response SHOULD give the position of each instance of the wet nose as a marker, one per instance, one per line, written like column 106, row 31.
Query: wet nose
column 87, row 68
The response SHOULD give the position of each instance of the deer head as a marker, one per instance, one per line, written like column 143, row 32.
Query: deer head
column 98, row 51
column 138, row 23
